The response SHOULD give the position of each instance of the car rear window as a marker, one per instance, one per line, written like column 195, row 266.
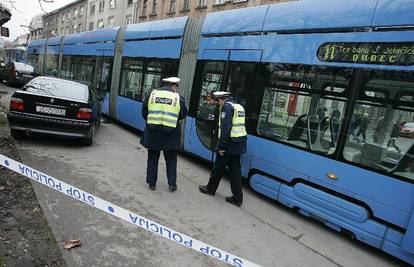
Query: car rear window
column 58, row 88
column 23, row 67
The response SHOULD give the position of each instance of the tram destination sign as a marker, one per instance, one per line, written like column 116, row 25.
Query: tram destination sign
column 398, row 54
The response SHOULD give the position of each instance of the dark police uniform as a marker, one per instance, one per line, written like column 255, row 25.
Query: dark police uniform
column 232, row 139
column 160, row 137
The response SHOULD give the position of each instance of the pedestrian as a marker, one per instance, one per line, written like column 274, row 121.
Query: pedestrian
column 363, row 126
column 231, row 145
column 162, row 110
column 395, row 131
column 379, row 129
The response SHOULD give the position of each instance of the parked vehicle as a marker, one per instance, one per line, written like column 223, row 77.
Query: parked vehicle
column 53, row 106
column 407, row 130
column 17, row 73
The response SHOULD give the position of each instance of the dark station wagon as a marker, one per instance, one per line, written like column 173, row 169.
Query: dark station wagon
column 56, row 107
column 17, row 73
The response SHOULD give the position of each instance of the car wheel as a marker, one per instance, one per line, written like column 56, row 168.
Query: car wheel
column 89, row 141
column 16, row 134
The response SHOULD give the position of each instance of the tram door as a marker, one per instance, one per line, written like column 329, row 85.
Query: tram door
column 222, row 70
column 102, row 81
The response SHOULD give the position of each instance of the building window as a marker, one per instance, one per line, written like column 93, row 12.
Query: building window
column 173, row 6
column 130, row 2
column 75, row 28
column 91, row 26
column 92, row 9
column 68, row 15
column 144, row 8
column 111, row 21
column 186, row 5
column 81, row 11
column 63, row 17
column 201, row 3
column 101, row 6
column 112, row 3
column 219, row 2
column 75, row 13
column 154, row 7
column 80, row 27
column 128, row 19
column 101, row 24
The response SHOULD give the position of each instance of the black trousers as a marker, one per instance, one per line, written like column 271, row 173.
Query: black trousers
column 170, row 157
column 233, row 162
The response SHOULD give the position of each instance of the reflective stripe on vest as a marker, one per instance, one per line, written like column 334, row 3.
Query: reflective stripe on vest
column 163, row 108
column 238, row 128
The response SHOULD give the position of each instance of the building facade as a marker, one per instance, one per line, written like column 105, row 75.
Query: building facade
column 66, row 20
column 89, row 15
column 110, row 13
column 36, row 28
column 164, row 9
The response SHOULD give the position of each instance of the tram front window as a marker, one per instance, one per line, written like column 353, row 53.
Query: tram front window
column 304, row 106
column 381, row 135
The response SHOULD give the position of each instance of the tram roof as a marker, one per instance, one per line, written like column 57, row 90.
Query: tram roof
column 308, row 15
column 40, row 42
column 54, row 40
column 155, row 29
column 102, row 35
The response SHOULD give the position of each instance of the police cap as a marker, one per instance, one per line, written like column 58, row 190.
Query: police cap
column 221, row 94
column 175, row 80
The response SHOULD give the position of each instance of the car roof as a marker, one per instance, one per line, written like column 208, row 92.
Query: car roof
column 22, row 66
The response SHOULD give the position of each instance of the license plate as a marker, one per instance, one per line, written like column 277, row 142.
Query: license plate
column 49, row 110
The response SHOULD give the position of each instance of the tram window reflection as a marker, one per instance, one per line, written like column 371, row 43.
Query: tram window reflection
column 304, row 106
column 381, row 133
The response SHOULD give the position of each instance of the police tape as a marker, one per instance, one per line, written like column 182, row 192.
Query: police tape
column 123, row 214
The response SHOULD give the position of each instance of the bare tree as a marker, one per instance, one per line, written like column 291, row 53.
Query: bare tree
column 12, row 4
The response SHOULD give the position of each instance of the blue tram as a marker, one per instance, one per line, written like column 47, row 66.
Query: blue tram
column 13, row 54
column 328, row 88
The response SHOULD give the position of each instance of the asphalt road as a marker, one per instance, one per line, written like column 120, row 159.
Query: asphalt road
column 262, row 231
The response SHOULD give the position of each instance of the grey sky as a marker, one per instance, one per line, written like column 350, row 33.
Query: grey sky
column 25, row 11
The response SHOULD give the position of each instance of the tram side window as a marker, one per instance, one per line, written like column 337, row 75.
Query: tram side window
column 52, row 64
column 235, row 77
column 212, row 78
column 381, row 134
column 131, row 83
column 103, row 74
column 304, row 105
column 79, row 68
column 155, row 71
column 152, row 79
column 33, row 60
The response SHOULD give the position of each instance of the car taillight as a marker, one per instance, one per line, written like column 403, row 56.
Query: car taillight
column 13, row 73
column 84, row 114
column 16, row 104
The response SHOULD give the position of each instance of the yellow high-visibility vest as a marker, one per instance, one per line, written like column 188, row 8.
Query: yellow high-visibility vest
column 238, row 128
column 163, row 108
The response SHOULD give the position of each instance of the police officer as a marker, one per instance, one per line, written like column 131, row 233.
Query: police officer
column 231, row 145
column 162, row 110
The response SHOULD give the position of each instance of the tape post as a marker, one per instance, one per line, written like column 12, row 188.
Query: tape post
column 119, row 212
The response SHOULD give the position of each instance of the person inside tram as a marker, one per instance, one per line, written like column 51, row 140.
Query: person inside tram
column 395, row 130
column 335, row 117
column 363, row 126
column 356, row 119
column 378, row 130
